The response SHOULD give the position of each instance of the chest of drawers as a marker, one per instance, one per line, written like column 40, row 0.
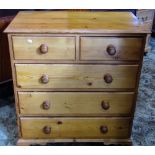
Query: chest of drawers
column 75, row 75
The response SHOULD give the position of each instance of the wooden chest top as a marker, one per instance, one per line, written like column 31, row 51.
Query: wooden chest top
column 76, row 22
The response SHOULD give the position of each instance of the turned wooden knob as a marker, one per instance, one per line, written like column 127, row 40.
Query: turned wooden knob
column 111, row 50
column 108, row 78
column 104, row 129
column 105, row 105
column 44, row 79
column 43, row 48
column 46, row 105
column 47, row 129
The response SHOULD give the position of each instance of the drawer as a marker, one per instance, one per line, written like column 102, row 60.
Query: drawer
column 75, row 76
column 75, row 103
column 54, row 48
column 60, row 128
column 110, row 48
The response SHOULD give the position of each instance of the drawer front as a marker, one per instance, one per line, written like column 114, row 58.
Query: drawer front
column 110, row 48
column 60, row 128
column 75, row 76
column 75, row 103
column 55, row 48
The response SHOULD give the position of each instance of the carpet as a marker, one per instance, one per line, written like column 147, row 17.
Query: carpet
column 143, row 131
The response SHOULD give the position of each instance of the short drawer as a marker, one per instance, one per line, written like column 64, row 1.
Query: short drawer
column 76, row 103
column 55, row 48
column 110, row 48
column 61, row 128
column 75, row 76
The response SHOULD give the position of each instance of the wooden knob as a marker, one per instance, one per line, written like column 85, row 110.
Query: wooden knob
column 44, row 79
column 47, row 129
column 104, row 129
column 46, row 105
column 108, row 78
column 105, row 105
column 111, row 50
column 89, row 83
column 43, row 48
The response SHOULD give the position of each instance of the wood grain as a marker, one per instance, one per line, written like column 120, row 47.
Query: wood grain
column 75, row 76
column 75, row 103
column 95, row 48
column 75, row 128
column 59, row 48
column 76, row 22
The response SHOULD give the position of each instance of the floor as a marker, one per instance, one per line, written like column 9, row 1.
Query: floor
column 143, row 132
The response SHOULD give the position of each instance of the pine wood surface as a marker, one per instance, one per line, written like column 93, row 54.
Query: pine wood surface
column 84, row 128
column 76, row 22
column 76, row 103
column 75, row 76
column 61, row 48
column 95, row 48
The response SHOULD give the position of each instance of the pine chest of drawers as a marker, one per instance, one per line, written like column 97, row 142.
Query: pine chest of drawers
column 75, row 75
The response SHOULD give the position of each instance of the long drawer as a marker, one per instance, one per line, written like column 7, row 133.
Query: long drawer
column 75, row 76
column 53, row 48
column 63, row 128
column 76, row 103
column 110, row 48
